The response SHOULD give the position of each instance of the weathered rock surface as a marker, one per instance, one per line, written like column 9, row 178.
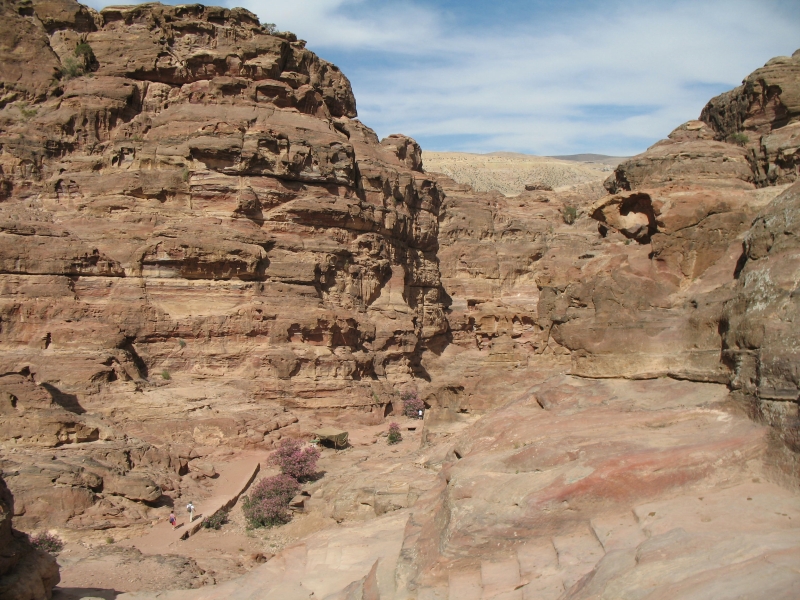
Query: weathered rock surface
column 761, row 339
column 186, row 198
column 653, row 485
column 571, row 486
column 25, row 572
column 203, row 251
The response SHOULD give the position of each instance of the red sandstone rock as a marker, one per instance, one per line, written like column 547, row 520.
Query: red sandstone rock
column 25, row 572
column 196, row 235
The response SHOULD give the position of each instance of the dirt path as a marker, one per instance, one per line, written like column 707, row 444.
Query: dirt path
column 233, row 479
column 159, row 558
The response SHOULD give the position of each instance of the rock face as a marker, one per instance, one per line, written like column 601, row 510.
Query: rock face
column 760, row 332
column 634, row 499
column 689, row 201
column 187, row 197
column 25, row 572
column 763, row 115
column 200, row 246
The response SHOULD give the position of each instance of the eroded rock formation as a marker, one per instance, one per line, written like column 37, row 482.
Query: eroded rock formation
column 187, row 197
column 25, row 572
column 200, row 246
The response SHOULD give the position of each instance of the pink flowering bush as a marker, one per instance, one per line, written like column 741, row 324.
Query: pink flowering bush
column 268, row 504
column 295, row 459
column 394, row 436
column 412, row 404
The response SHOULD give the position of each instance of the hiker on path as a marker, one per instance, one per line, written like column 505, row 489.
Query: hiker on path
column 190, row 509
column 173, row 520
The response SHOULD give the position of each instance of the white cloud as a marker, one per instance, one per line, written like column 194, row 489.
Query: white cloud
column 612, row 78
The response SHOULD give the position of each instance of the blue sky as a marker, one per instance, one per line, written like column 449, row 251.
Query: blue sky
column 533, row 76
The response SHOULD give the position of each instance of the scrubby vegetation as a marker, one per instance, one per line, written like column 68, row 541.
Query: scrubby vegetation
column 47, row 542
column 738, row 138
column 217, row 520
column 569, row 214
column 71, row 68
column 296, row 460
column 84, row 61
column 412, row 405
column 394, row 435
column 268, row 504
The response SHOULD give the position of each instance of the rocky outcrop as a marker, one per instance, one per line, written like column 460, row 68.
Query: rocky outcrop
column 200, row 246
column 760, row 335
column 687, row 203
column 645, row 281
column 187, row 197
column 763, row 115
column 25, row 572
column 648, row 488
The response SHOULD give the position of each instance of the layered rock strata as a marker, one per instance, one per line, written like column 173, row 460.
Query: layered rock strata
column 759, row 325
column 188, row 198
column 200, row 246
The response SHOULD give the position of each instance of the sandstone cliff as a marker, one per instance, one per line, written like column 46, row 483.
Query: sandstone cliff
column 189, row 205
column 201, row 248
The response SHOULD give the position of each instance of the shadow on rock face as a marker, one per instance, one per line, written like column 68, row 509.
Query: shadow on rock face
column 77, row 593
column 66, row 401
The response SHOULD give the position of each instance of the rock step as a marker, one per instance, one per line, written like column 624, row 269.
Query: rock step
column 578, row 553
column 538, row 571
column 618, row 532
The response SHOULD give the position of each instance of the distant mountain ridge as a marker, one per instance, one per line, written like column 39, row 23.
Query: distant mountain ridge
column 509, row 172
column 594, row 158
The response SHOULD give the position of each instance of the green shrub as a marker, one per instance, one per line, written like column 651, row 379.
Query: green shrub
column 70, row 69
column 85, row 55
column 394, row 436
column 47, row 542
column 217, row 520
column 181, row 343
column 165, row 375
column 569, row 214
column 270, row 28
column 738, row 138
column 85, row 50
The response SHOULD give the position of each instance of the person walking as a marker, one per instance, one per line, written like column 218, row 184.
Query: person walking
column 190, row 509
column 173, row 520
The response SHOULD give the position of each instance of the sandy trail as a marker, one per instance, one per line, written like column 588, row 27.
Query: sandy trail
column 233, row 479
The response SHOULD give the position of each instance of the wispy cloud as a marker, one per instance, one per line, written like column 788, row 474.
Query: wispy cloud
column 536, row 76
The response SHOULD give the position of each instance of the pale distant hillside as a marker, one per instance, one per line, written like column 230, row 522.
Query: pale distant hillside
column 508, row 172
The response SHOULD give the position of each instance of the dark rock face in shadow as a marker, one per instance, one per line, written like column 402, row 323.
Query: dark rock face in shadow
column 25, row 572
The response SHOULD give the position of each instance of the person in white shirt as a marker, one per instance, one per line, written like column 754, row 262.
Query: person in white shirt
column 190, row 508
